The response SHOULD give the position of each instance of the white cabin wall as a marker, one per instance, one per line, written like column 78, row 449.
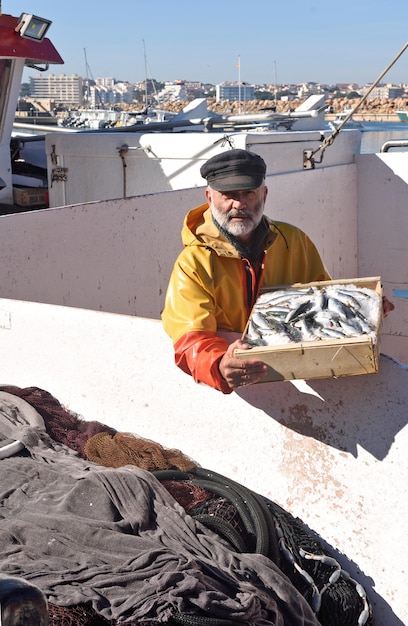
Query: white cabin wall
column 382, row 194
column 117, row 255
column 158, row 162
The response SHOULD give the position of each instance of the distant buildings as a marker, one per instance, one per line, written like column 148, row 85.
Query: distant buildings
column 347, row 87
column 173, row 92
column 106, row 91
column 62, row 89
column 74, row 91
column 385, row 91
column 309, row 89
column 234, row 92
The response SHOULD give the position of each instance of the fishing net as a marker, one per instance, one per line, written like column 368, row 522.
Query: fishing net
column 249, row 522
column 335, row 597
column 62, row 425
column 96, row 441
column 127, row 449
column 80, row 615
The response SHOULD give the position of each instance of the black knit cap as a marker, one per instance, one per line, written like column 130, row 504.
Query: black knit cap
column 234, row 170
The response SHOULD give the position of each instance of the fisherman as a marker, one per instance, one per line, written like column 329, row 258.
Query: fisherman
column 231, row 250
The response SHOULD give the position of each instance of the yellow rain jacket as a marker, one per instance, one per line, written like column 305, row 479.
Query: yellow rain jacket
column 212, row 288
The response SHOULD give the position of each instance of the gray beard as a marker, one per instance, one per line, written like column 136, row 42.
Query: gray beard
column 236, row 229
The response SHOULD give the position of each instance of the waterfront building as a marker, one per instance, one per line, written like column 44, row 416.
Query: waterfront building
column 386, row 91
column 347, row 87
column 309, row 89
column 106, row 81
column 107, row 93
column 173, row 92
column 62, row 89
column 234, row 92
column 193, row 85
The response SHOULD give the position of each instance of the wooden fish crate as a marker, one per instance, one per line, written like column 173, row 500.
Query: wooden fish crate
column 328, row 358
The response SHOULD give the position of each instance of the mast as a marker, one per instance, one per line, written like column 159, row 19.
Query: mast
column 276, row 84
column 239, row 83
column 88, row 73
column 151, row 78
column 145, row 66
column 87, row 89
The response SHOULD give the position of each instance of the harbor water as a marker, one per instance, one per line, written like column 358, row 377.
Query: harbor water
column 376, row 134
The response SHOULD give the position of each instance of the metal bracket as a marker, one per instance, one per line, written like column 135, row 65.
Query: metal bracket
column 308, row 160
column 59, row 174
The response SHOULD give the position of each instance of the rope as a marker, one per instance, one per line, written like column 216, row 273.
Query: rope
column 329, row 140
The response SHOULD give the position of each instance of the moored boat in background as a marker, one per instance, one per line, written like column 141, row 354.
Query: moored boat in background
column 403, row 116
column 99, row 118
column 345, row 119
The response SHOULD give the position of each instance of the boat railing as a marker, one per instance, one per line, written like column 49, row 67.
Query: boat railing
column 396, row 143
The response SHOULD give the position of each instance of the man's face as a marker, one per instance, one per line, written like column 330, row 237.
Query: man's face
column 238, row 212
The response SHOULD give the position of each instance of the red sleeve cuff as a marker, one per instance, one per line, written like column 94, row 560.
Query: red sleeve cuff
column 198, row 353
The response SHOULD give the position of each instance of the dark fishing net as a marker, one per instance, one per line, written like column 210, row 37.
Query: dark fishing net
column 80, row 615
column 61, row 424
column 215, row 512
column 188, row 494
column 337, row 599
column 223, row 509
column 96, row 441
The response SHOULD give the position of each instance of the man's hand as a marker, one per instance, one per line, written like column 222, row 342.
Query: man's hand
column 387, row 306
column 238, row 372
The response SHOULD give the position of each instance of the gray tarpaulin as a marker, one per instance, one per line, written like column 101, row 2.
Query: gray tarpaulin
column 117, row 539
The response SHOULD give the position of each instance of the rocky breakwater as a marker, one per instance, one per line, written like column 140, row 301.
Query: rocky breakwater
column 375, row 109
column 372, row 110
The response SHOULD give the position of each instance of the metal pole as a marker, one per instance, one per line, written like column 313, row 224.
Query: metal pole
column 239, row 84
column 145, row 66
column 276, row 87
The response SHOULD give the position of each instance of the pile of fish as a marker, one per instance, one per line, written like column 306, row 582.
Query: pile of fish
column 313, row 313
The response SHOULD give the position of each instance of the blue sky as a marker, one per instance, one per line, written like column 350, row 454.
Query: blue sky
column 294, row 40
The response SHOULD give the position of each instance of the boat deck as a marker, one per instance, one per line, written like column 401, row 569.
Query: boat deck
column 10, row 209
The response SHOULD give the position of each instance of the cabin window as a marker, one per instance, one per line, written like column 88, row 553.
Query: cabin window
column 5, row 73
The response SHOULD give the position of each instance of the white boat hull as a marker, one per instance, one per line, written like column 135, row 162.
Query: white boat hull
column 332, row 452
